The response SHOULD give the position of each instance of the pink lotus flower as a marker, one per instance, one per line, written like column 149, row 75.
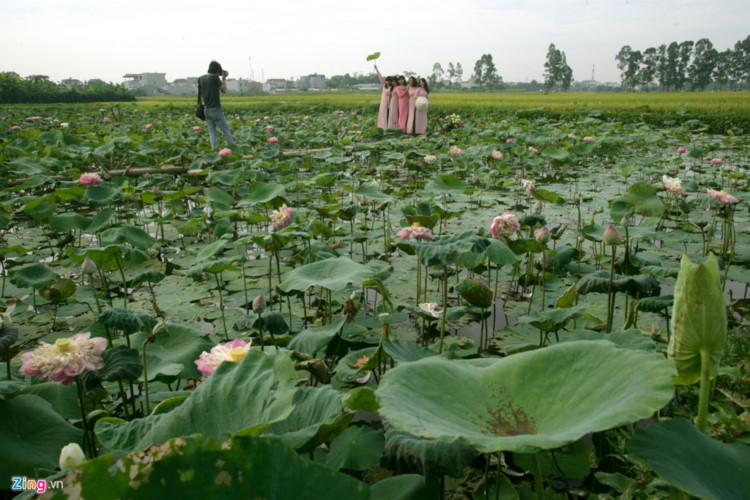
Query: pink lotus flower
column 528, row 185
column 497, row 155
column 673, row 185
column 90, row 179
column 273, row 140
column 682, row 149
column 15, row 127
column 533, row 150
column 194, row 171
column 270, row 127
column 149, row 126
column 571, row 136
column 303, row 124
column 67, row 357
column 306, row 117
column 543, row 235
column 196, row 128
column 415, row 232
column 430, row 158
column 588, row 138
column 611, row 236
column 232, row 351
column 455, row 151
column 33, row 118
column 509, row 140
column 282, row 217
column 717, row 161
column 225, row 152
column 504, row 226
column 722, row 197
column 266, row 117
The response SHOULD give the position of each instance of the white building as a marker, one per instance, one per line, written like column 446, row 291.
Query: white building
column 314, row 81
column 274, row 84
column 137, row 80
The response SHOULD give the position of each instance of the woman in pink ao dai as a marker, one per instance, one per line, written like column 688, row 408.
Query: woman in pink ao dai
column 385, row 100
column 403, row 103
column 420, row 117
column 412, row 90
column 393, row 105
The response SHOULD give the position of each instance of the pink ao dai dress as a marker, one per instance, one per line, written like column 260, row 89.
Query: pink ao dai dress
column 412, row 110
column 385, row 101
column 393, row 109
column 420, row 117
column 403, row 106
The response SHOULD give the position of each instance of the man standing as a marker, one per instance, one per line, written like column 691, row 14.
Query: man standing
column 209, row 86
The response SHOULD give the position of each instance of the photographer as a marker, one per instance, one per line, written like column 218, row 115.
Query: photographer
column 209, row 86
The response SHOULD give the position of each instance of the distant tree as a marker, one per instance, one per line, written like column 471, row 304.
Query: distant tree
column 670, row 67
column 629, row 63
column 485, row 73
column 702, row 66
column 459, row 73
column 557, row 73
column 647, row 71
column 721, row 73
column 741, row 61
column 451, row 73
column 686, row 52
column 436, row 77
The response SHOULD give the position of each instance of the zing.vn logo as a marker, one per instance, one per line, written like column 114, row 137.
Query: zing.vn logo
column 21, row 483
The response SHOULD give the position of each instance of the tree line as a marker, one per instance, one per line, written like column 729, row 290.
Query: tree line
column 686, row 65
column 39, row 89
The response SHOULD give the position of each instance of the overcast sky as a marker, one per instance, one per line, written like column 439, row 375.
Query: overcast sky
column 106, row 39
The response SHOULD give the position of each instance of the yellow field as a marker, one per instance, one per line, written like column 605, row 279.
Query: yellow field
column 719, row 102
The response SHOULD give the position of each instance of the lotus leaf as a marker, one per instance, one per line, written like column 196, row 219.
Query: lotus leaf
column 526, row 402
column 333, row 274
column 191, row 467
column 698, row 464
column 252, row 393
column 33, row 276
column 638, row 285
column 357, row 448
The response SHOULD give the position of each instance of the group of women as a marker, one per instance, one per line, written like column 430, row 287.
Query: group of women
column 398, row 104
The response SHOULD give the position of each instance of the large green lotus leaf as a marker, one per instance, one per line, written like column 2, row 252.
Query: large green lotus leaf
column 261, row 192
column 447, row 250
column 446, row 183
column 191, row 467
column 8, row 336
column 499, row 254
column 108, row 257
column 475, row 293
column 312, row 340
column 534, row 400
column 32, row 276
column 101, row 219
column 317, row 418
column 67, row 222
column 333, row 274
column 429, row 457
column 252, row 393
column 177, row 344
column 694, row 462
column 101, row 195
column 39, row 208
column 699, row 319
column 127, row 320
column 219, row 198
column 406, row 487
column 32, row 434
column 637, row 285
column 548, row 196
column 553, row 319
column 357, row 448
column 372, row 193
column 59, row 290
column 63, row 398
column 131, row 235
column 644, row 200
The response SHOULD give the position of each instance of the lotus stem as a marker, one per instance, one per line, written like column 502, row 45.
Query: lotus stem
column 610, row 299
column 705, row 388
column 419, row 279
column 221, row 307
column 445, row 308
column 145, row 376
column 538, row 478
column 124, row 283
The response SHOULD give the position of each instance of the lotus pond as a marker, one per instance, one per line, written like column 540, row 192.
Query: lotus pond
column 505, row 308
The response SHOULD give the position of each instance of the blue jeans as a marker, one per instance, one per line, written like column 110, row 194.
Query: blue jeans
column 214, row 117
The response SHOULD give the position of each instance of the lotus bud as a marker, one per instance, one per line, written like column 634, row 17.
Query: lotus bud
column 611, row 236
column 543, row 235
column 259, row 304
column 88, row 267
column 538, row 206
column 71, row 456
column 699, row 319
column 625, row 221
column 701, row 223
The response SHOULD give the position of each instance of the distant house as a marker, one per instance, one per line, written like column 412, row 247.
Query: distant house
column 274, row 85
column 71, row 83
column 254, row 86
column 141, row 80
column 468, row 84
column 314, row 81
column 182, row 86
